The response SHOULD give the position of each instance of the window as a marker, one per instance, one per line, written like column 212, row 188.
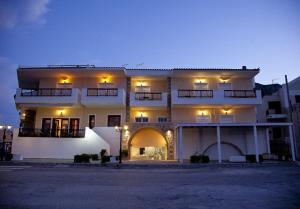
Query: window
column 274, row 107
column 91, row 121
column 297, row 98
column 162, row 119
column 113, row 120
column 141, row 120
column 46, row 123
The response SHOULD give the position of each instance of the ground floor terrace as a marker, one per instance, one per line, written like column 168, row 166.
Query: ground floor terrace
column 223, row 141
column 159, row 142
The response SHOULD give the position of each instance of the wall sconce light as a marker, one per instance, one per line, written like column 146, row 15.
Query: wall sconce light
column 227, row 110
column 224, row 79
column 61, row 112
column 202, row 112
column 65, row 79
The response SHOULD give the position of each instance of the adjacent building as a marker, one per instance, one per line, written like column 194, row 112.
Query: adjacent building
column 167, row 114
column 278, row 107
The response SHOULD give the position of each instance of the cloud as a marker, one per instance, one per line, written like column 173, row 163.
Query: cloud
column 20, row 12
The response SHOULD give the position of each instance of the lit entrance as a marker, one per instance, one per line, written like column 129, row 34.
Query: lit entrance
column 148, row 144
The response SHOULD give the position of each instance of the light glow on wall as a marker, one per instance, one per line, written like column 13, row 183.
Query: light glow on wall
column 61, row 112
column 106, row 79
column 200, row 80
column 203, row 112
column 224, row 79
column 227, row 111
column 64, row 79
column 141, row 83
column 141, row 114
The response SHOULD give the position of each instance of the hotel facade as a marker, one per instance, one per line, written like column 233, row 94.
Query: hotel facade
column 166, row 114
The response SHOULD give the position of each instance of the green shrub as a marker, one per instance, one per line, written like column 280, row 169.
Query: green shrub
column 205, row 159
column 199, row 159
column 195, row 159
column 9, row 157
column 94, row 157
column 103, row 153
column 105, row 159
column 252, row 158
column 83, row 158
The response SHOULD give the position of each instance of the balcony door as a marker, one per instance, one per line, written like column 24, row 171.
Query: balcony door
column 74, row 126
column 60, row 127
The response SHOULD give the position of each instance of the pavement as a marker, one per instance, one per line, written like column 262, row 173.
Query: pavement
column 63, row 186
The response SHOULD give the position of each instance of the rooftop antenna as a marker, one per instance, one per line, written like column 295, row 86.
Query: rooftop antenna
column 138, row 65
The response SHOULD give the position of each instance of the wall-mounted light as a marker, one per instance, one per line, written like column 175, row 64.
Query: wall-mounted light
column 224, row 79
column 64, row 80
column 105, row 79
column 61, row 112
column 226, row 110
column 202, row 112
column 200, row 80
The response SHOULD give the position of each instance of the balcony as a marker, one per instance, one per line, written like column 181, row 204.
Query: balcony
column 63, row 133
column 47, row 96
column 101, row 97
column 148, row 99
column 276, row 115
column 216, row 97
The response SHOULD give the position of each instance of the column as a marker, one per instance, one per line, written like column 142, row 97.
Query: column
column 219, row 144
column 255, row 143
column 291, row 136
column 180, row 145
column 268, row 141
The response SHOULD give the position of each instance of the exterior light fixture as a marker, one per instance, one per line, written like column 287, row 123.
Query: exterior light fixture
column 120, row 130
column 4, row 128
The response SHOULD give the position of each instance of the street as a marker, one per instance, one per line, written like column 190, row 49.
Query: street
column 61, row 186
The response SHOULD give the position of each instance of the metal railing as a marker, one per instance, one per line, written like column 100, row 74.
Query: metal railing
column 102, row 92
column 195, row 93
column 46, row 92
column 240, row 93
column 64, row 133
column 148, row 96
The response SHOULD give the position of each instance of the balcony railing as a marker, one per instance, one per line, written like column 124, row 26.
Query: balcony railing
column 63, row 133
column 195, row 93
column 102, row 92
column 240, row 93
column 148, row 96
column 46, row 92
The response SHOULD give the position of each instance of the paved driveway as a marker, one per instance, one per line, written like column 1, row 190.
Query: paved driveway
column 52, row 187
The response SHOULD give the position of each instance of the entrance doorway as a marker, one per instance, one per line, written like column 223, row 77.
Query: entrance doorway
column 148, row 144
column 63, row 127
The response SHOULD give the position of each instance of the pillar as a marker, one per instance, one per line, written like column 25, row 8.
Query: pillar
column 268, row 141
column 219, row 144
column 255, row 143
column 180, row 145
column 291, row 136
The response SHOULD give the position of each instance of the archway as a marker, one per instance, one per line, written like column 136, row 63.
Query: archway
column 228, row 149
column 148, row 144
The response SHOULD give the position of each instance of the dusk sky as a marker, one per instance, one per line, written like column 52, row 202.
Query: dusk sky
column 160, row 34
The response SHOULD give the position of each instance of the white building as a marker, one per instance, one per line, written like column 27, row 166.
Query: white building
column 169, row 114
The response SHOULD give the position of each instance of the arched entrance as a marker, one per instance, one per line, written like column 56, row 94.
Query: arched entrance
column 148, row 144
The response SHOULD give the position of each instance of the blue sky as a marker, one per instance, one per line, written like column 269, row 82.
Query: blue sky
column 160, row 34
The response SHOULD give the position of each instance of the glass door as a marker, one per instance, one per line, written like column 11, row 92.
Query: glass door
column 74, row 126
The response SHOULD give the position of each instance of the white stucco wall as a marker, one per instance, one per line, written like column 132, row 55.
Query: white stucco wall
column 60, row 148
column 112, row 137
column 196, row 140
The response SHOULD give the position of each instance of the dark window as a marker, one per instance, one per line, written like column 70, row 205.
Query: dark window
column 162, row 119
column 46, row 123
column 114, row 120
column 276, row 106
column 141, row 120
column 92, row 121
column 142, row 151
column 297, row 98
